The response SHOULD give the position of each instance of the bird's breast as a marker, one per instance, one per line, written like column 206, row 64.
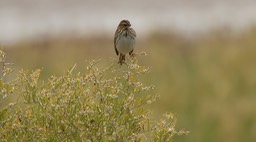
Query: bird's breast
column 125, row 43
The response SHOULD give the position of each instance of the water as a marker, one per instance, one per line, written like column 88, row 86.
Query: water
column 36, row 18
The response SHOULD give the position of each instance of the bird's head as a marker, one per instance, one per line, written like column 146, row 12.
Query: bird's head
column 124, row 24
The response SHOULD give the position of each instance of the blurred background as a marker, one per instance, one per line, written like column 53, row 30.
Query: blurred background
column 202, row 53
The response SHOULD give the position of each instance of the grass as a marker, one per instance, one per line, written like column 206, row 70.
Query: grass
column 103, row 103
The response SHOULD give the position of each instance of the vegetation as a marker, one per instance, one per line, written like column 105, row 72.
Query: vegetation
column 100, row 104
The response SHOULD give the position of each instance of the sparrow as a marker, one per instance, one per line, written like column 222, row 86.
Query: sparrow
column 124, row 40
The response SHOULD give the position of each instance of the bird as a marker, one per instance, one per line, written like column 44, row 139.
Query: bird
column 124, row 40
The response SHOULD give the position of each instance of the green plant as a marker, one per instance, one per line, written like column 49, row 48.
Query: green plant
column 5, row 65
column 101, row 104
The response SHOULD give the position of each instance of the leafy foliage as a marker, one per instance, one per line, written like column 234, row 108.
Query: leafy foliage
column 101, row 104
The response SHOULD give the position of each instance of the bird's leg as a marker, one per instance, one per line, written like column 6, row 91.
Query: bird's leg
column 132, row 55
column 121, row 59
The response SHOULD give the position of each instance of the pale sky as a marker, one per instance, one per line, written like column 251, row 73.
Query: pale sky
column 23, row 19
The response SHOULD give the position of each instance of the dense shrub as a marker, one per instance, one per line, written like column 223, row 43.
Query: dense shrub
column 101, row 104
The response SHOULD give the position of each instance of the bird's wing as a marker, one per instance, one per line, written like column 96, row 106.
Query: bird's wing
column 133, row 32
column 115, row 40
column 134, row 35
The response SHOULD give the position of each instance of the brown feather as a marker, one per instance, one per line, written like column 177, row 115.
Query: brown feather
column 124, row 26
